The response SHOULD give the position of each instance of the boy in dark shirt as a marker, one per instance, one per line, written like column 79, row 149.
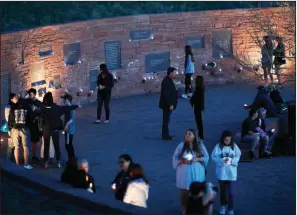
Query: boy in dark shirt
column 249, row 133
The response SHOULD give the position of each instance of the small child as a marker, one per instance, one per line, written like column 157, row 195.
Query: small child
column 226, row 155
column 69, row 127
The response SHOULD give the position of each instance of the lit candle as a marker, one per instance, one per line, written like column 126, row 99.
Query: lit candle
column 81, row 90
column 188, row 156
column 221, row 56
column 2, row 140
column 220, row 70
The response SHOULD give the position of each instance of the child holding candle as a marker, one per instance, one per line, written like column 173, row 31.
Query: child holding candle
column 226, row 155
column 190, row 160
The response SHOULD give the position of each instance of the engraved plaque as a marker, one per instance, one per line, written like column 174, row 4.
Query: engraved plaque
column 51, row 84
column 93, row 73
column 222, row 44
column 37, row 73
column 112, row 51
column 143, row 34
column 71, row 53
column 157, row 62
column 5, row 88
column 41, row 91
column 57, row 82
column 46, row 50
column 196, row 42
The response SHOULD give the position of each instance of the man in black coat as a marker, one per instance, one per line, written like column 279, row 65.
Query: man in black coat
column 168, row 101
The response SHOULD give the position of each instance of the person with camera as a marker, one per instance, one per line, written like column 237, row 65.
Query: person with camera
column 200, row 200
column 226, row 155
column 190, row 160
column 279, row 58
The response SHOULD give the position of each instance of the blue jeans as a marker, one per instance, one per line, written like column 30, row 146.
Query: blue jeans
column 165, row 123
column 226, row 193
column 254, row 139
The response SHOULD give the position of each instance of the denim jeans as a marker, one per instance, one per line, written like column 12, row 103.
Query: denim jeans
column 165, row 123
column 226, row 194
column 252, row 138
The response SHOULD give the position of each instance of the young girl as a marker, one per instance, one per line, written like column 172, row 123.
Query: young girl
column 189, row 70
column 190, row 160
column 226, row 155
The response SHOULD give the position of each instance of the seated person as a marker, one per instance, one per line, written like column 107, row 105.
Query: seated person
column 266, row 135
column 262, row 99
column 138, row 187
column 84, row 179
column 76, row 174
column 249, row 132
column 200, row 200
column 119, row 184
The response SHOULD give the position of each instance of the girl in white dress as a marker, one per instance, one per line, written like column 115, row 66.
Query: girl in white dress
column 190, row 160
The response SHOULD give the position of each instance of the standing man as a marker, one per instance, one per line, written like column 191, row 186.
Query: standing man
column 36, row 106
column 266, row 60
column 105, row 83
column 168, row 101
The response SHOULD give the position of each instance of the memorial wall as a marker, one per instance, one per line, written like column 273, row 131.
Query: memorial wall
column 136, row 49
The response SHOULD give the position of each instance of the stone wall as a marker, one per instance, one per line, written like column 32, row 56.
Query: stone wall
column 169, row 30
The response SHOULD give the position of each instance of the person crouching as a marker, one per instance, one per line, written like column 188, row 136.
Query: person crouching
column 138, row 188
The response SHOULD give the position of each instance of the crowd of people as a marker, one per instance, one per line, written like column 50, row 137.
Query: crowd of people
column 30, row 120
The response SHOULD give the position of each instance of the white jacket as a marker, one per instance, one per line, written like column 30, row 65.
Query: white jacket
column 137, row 193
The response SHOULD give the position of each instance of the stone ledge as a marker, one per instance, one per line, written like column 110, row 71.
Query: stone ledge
column 100, row 202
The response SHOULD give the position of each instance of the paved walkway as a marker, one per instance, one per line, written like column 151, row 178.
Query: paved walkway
column 263, row 187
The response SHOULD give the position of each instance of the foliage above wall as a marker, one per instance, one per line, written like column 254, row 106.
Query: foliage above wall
column 24, row 15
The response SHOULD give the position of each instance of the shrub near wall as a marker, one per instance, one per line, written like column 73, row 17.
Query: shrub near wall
column 20, row 51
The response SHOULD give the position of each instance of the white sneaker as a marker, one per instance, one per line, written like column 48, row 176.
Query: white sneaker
column 90, row 190
column 222, row 210
column 184, row 96
column 97, row 121
column 231, row 212
column 106, row 121
column 190, row 95
column 28, row 166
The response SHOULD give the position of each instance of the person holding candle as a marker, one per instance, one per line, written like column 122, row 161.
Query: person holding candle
column 226, row 155
column 190, row 160
column 119, row 184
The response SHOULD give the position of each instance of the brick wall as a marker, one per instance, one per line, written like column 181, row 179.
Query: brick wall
column 170, row 31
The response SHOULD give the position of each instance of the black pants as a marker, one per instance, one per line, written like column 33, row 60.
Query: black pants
column 188, row 83
column 103, row 98
column 69, row 145
column 165, row 123
column 226, row 193
column 47, row 134
column 199, row 122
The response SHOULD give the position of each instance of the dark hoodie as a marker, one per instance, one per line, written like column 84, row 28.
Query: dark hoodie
column 20, row 115
column 262, row 99
column 121, row 180
column 107, row 82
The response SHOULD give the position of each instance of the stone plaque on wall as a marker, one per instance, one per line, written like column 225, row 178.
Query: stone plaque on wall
column 93, row 78
column 5, row 89
column 71, row 53
column 46, row 50
column 112, row 52
column 143, row 34
column 222, row 44
column 57, row 82
column 37, row 74
column 157, row 62
column 196, row 42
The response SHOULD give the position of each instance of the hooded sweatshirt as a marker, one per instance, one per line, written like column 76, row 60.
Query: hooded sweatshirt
column 224, row 171
column 137, row 193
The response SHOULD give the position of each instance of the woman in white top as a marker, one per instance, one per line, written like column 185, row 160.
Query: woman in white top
column 190, row 160
column 138, row 188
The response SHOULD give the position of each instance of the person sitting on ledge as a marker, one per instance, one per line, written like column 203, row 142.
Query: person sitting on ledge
column 84, row 179
column 249, row 132
column 262, row 99
column 138, row 188
column 266, row 135
column 119, row 184
column 70, row 172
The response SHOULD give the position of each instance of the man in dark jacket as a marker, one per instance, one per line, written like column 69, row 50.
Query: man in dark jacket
column 19, row 120
column 168, row 101
column 105, row 83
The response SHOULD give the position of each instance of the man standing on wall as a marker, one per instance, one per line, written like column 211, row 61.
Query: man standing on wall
column 168, row 101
